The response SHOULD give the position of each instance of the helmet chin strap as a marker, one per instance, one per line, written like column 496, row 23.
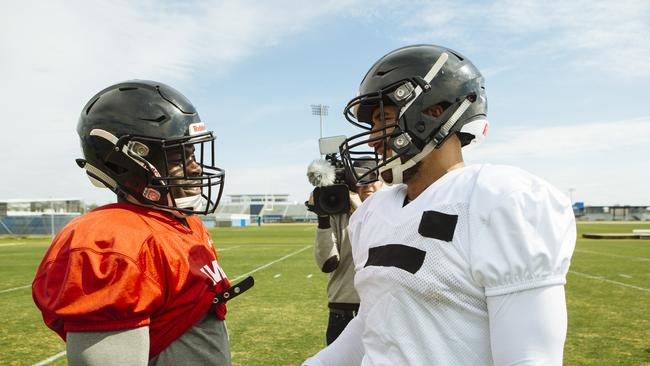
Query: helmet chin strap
column 398, row 168
column 196, row 202
column 133, row 200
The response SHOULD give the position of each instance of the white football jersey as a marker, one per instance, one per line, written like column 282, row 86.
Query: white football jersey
column 424, row 270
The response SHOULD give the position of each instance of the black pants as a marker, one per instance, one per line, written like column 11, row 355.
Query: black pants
column 337, row 322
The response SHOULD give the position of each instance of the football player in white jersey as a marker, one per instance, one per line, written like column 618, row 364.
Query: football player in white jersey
column 456, row 264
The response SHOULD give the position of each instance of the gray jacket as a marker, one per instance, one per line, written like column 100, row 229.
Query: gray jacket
column 333, row 255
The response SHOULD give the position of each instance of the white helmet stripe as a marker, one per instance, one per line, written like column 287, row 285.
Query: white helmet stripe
column 440, row 62
column 113, row 139
column 105, row 134
column 454, row 117
column 104, row 179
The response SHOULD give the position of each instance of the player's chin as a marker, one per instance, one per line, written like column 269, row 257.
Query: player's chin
column 387, row 176
column 186, row 192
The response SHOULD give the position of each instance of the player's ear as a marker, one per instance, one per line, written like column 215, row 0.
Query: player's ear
column 436, row 110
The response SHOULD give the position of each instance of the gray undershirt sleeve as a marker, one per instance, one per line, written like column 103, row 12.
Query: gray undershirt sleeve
column 206, row 343
column 115, row 348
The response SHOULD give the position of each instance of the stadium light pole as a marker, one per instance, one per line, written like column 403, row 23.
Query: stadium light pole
column 321, row 111
column 571, row 194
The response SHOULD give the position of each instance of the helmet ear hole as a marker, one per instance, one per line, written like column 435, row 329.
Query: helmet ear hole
column 437, row 110
column 115, row 168
column 465, row 138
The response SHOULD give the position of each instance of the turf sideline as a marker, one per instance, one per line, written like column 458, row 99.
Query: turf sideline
column 14, row 289
column 613, row 255
column 270, row 263
column 610, row 281
column 50, row 359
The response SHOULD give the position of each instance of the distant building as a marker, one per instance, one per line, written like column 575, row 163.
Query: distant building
column 38, row 216
column 17, row 207
column 613, row 213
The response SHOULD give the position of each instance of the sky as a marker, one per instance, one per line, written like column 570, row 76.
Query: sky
column 567, row 83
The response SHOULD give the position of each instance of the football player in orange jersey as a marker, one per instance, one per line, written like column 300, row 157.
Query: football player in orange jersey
column 133, row 283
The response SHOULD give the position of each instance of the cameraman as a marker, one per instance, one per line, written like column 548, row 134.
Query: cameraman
column 333, row 255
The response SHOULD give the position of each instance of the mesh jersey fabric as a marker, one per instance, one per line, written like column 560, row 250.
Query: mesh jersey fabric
column 513, row 232
column 123, row 266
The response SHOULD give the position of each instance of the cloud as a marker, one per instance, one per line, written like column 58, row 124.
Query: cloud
column 610, row 36
column 603, row 162
column 564, row 141
column 56, row 55
column 100, row 42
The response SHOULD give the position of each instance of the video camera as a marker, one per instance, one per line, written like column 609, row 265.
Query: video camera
column 331, row 195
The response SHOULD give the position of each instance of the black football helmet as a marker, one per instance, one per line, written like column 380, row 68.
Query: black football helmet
column 145, row 141
column 414, row 79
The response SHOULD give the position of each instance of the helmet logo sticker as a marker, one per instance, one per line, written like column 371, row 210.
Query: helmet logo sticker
column 151, row 194
column 139, row 148
column 197, row 128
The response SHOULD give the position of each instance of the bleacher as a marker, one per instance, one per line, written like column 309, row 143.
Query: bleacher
column 232, row 208
column 615, row 213
column 270, row 212
column 299, row 213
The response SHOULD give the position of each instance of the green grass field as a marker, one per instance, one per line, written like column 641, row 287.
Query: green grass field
column 281, row 321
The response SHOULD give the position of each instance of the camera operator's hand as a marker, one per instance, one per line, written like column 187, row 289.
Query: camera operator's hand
column 323, row 218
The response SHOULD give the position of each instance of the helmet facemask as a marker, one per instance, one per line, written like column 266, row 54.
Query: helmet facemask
column 181, row 174
column 373, row 144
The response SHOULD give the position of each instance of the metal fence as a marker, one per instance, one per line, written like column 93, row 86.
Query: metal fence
column 34, row 224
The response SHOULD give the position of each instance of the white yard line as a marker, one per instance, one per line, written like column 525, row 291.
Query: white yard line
column 277, row 275
column 14, row 289
column 269, row 245
column 50, row 359
column 270, row 263
column 228, row 248
column 10, row 244
column 613, row 255
column 601, row 278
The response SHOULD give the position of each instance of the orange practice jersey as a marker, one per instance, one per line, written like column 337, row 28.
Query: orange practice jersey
column 123, row 266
